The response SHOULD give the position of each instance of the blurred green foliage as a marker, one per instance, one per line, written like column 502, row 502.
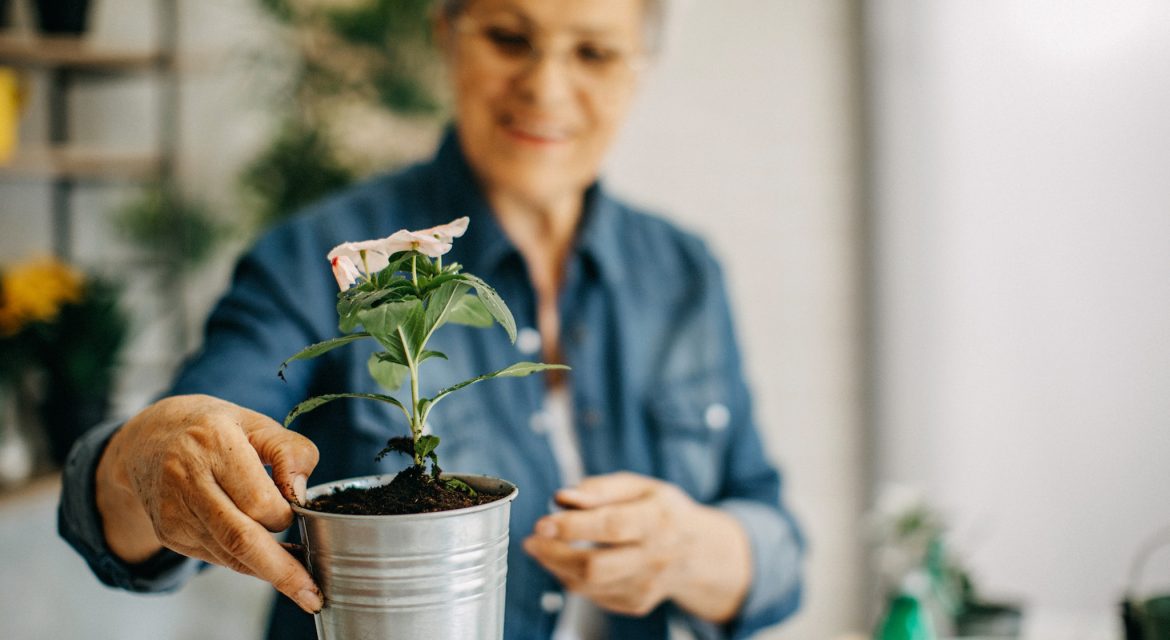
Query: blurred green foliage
column 376, row 53
column 178, row 231
column 294, row 171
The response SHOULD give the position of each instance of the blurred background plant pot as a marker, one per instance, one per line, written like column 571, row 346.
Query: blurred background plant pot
column 17, row 448
column 67, row 413
column 61, row 336
column 1145, row 611
column 429, row 576
column 990, row 620
column 63, row 17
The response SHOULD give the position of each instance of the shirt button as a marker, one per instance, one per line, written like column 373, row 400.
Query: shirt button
column 538, row 422
column 528, row 340
column 591, row 418
column 717, row 416
column 552, row 602
column 579, row 333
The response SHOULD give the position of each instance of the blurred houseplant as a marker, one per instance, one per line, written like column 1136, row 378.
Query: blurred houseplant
column 921, row 577
column 362, row 98
column 176, row 234
column 61, row 333
column 179, row 233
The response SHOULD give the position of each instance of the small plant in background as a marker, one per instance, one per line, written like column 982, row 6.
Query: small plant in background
column 363, row 98
column 398, row 292
column 32, row 295
column 178, row 232
column 68, row 329
column 909, row 537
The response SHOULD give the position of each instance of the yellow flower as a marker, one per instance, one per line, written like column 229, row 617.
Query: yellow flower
column 35, row 291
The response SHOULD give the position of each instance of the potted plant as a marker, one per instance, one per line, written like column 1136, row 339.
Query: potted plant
column 62, row 17
column 61, row 333
column 422, row 553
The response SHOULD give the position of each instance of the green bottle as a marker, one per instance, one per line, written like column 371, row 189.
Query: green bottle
column 906, row 618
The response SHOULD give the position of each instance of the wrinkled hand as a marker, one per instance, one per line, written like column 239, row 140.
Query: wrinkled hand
column 188, row 473
column 628, row 542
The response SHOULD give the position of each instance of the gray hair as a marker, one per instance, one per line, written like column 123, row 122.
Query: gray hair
column 655, row 13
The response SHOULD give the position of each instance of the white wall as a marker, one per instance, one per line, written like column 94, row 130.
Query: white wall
column 743, row 133
column 1023, row 239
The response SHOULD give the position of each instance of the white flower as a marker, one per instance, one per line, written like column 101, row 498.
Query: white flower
column 447, row 232
column 351, row 260
column 345, row 271
column 377, row 254
column 432, row 242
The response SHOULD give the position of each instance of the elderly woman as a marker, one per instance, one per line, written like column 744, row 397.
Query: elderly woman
column 650, row 436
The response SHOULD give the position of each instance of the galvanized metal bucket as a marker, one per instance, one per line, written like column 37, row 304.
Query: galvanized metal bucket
column 437, row 576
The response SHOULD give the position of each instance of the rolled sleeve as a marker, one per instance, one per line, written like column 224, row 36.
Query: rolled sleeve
column 80, row 524
column 776, row 549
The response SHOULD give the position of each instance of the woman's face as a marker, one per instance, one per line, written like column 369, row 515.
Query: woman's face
column 541, row 87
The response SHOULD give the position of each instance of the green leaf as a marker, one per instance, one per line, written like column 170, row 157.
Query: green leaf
column 518, row 370
column 387, row 373
column 431, row 354
column 313, row 403
column 493, row 303
column 389, row 275
column 441, row 302
column 469, row 310
column 424, row 265
column 314, row 350
column 428, row 284
column 367, row 296
column 384, row 322
column 425, row 446
column 459, row 485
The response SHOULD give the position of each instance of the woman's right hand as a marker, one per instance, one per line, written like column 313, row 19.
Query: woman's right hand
column 188, row 473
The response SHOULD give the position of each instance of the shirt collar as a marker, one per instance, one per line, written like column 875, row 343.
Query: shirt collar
column 485, row 246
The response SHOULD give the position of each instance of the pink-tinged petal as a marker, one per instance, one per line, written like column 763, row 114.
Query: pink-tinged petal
column 446, row 232
column 344, row 271
column 402, row 240
column 428, row 245
column 376, row 254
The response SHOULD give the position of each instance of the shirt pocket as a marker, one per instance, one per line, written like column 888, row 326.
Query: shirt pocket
column 690, row 422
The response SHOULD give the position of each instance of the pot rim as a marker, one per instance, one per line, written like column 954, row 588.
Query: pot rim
column 372, row 480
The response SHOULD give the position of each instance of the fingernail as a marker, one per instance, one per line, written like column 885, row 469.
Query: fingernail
column 546, row 529
column 299, row 487
column 310, row 600
column 571, row 496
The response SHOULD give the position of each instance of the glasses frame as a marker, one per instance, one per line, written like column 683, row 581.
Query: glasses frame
column 632, row 62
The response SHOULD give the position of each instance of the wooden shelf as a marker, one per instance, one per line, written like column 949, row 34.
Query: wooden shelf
column 73, row 53
column 83, row 164
column 43, row 486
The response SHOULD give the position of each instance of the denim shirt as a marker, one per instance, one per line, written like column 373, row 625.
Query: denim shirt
column 656, row 384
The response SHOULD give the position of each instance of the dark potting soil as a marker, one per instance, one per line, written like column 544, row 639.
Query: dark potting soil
column 411, row 491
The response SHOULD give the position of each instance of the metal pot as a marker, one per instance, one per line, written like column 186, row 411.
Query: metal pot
column 437, row 575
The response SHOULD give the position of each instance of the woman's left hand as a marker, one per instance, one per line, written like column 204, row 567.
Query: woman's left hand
column 628, row 542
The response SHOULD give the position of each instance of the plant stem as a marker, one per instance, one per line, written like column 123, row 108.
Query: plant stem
column 415, row 426
column 414, row 271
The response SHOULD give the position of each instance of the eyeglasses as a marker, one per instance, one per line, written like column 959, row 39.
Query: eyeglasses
column 592, row 64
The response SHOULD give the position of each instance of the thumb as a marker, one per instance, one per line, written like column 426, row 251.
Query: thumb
column 291, row 455
column 596, row 491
